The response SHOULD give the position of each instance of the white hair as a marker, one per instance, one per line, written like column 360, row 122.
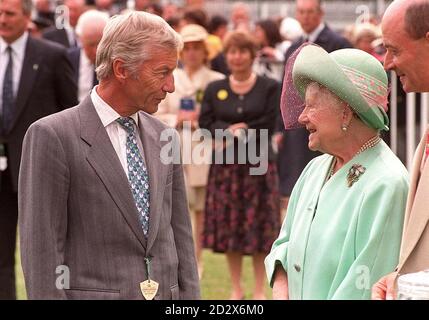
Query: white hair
column 90, row 18
column 132, row 38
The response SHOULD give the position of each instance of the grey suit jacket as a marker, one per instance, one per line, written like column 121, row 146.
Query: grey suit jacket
column 77, row 214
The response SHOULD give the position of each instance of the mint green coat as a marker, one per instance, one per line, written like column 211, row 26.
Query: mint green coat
column 337, row 241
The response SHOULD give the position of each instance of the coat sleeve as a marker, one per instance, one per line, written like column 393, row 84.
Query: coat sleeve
column 42, row 204
column 187, row 270
column 279, row 249
column 377, row 241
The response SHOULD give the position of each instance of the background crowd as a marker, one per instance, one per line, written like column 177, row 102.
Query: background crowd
column 234, row 56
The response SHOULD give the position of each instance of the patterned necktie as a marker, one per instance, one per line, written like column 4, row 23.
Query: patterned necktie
column 137, row 173
column 8, row 93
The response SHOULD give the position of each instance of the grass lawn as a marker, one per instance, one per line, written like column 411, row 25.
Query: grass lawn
column 215, row 284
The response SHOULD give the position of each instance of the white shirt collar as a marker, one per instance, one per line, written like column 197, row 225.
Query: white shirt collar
column 84, row 58
column 106, row 113
column 18, row 46
column 312, row 36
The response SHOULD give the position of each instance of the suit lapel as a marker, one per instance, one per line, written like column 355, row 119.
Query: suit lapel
column 30, row 69
column 104, row 160
column 157, row 174
column 417, row 214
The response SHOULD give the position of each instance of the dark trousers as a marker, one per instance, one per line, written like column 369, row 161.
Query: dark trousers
column 8, row 226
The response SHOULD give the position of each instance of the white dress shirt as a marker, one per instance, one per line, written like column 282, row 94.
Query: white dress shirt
column 86, row 76
column 71, row 36
column 18, row 54
column 116, row 133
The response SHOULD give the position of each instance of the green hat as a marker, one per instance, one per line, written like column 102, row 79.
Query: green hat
column 353, row 75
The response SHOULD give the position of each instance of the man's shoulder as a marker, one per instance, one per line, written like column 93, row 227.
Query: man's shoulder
column 333, row 38
column 47, row 46
column 59, row 121
column 52, row 32
column 153, row 122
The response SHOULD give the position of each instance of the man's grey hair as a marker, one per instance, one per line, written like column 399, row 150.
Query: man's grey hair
column 91, row 18
column 133, row 37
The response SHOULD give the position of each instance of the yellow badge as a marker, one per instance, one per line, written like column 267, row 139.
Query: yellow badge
column 222, row 94
column 149, row 289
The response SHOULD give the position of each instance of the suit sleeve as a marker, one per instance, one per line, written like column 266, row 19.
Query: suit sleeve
column 65, row 83
column 279, row 250
column 181, row 223
column 42, row 204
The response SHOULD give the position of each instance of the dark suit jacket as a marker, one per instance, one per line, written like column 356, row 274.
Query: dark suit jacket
column 82, row 214
column 57, row 35
column 74, row 55
column 46, row 86
column 294, row 154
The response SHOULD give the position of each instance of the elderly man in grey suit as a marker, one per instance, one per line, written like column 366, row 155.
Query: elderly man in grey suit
column 101, row 216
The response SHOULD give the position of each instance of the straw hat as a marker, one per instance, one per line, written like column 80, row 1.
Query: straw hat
column 193, row 32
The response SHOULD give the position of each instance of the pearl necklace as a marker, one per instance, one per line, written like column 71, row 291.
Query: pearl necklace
column 367, row 145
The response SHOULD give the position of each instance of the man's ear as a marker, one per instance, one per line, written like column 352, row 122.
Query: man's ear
column 119, row 71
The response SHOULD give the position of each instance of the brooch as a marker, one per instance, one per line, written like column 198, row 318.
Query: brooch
column 354, row 174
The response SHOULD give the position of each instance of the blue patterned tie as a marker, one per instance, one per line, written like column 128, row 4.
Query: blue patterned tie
column 137, row 173
column 8, row 99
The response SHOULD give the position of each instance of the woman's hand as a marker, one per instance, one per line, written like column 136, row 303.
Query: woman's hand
column 280, row 284
column 185, row 115
column 236, row 126
column 268, row 52
column 384, row 289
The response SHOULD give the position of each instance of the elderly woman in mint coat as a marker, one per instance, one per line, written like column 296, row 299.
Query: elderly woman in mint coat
column 344, row 220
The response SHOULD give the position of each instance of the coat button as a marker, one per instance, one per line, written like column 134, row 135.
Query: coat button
column 297, row 267
column 240, row 110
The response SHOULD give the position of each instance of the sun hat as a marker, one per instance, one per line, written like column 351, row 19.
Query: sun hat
column 355, row 76
column 193, row 32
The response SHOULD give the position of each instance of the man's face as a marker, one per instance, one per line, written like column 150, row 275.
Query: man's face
column 90, row 39
column 13, row 21
column 309, row 14
column 154, row 79
column 406, row 56
column 76, row 8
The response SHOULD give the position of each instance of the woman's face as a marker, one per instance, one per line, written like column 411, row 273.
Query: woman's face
column 323, row 118
column 194, row 54
column 239, row 60
column 260, row 36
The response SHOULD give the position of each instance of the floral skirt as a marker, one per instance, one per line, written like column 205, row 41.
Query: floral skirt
column 242, row 211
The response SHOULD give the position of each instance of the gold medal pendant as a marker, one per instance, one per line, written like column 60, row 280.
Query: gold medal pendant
column 149, row 289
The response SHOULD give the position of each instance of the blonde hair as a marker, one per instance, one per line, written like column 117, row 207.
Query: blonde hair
column 132, row 38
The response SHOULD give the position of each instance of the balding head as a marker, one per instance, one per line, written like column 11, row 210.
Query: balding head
column 405, row 29
column 90, row 28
